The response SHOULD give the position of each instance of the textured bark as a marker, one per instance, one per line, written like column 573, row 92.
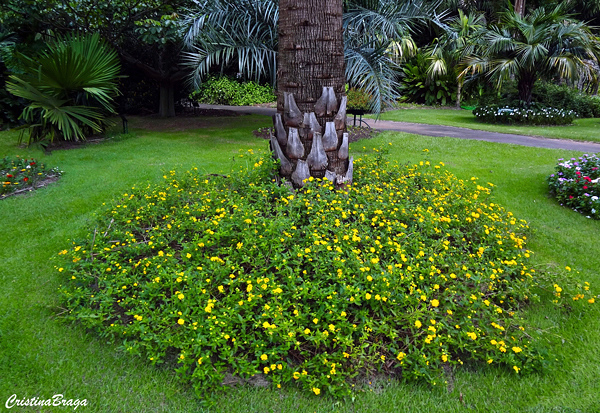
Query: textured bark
column 520, row 7
column 311, row 51
column 310, row 61
column 525, row 86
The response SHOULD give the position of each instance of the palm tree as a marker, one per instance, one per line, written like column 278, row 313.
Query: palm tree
column 539, row 45
column 453, row 46
column 376, row 34
column 70, row 88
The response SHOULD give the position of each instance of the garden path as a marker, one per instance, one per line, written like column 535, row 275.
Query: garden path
column 450, row 131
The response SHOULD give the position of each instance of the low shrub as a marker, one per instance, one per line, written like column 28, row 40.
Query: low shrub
column 358, row 100
column 21, row 174
column 417, row 87
column 407, row 272
column 576, row 184
column 567, row 98
column 527, row 116
column 226, row 91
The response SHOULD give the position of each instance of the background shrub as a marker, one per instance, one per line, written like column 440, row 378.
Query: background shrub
column 409, row 271
column 358, row 100
column 227, row 91
column 532, row 115
column 576, row 184
column 567, row 98
column 416, row 87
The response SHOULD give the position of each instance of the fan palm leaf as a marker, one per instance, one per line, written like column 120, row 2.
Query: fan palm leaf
column 70, row 88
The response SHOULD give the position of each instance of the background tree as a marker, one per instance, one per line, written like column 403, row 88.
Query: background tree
column 457, row 42
column 145, row 33
column 540, row 45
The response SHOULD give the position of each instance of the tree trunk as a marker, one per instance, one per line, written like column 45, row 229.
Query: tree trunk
column 525, row 87
column 311, row 58
column 520, row 7
column 167, row 100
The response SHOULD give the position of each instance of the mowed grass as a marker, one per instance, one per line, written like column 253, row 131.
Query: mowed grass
column 581, row 130
column 41, row 356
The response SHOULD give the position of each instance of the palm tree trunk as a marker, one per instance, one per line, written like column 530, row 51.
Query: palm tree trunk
column 525, row 87
column 520, row 7
column 311, row 58
column 311, row 50
column 167, row 100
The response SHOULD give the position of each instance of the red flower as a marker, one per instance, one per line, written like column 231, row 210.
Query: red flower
column 570, row 196
column 31, row 163
column 584, row 187
column 587, row 178
column 9, row 176
column 25, row 179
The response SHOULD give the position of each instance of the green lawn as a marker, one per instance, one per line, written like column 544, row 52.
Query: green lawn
column 40, row 356
column 581, row 130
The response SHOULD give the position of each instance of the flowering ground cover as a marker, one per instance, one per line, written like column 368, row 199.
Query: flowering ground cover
column 576, row 184
column 41, row 356
column 527, row 116
column 18, row 175
column 585, row 129
column 408, row 272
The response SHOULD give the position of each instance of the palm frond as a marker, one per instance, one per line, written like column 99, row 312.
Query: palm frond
column 370, row 69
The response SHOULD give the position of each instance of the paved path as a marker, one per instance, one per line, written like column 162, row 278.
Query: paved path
column 451, row 131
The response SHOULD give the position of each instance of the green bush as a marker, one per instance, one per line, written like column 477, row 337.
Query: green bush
column 526, row 116
column 576, row 184
column 416, row 87
column 358, row 100
column 226, row 91
column 567, row 98
column 407, row 272
column 17, row 174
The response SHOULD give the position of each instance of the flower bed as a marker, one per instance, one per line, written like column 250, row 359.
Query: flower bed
column 527, row 116
column 409, row 271
column 576, row 184
column 21, row 174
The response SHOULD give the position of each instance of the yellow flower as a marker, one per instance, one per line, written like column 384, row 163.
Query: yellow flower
column 264, row 357
column 516, row 368
column 188, row 255
column 368, row 296
column 315, row 320
column 316, row 390
column 435, row 303
column 180, row 321
column 517, row 349
column 181, row 296
column 307, row 331
column 591, row 300
column 296, row 375
column 418, row 324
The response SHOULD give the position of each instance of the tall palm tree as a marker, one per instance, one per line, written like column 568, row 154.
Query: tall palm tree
column 539, row 45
